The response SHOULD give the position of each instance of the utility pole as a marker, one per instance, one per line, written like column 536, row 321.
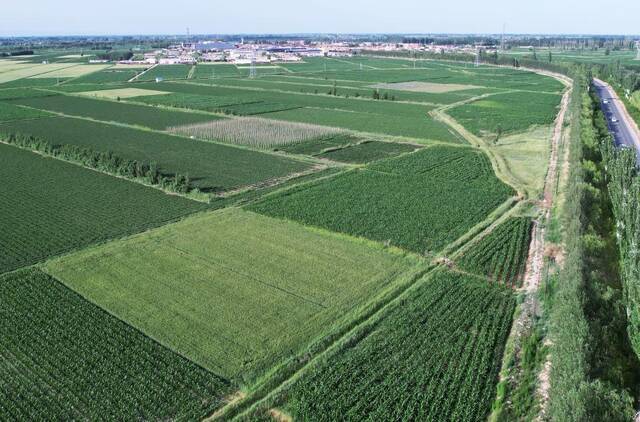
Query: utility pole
column 252, row 70
column 477, row 62
column 504, row 26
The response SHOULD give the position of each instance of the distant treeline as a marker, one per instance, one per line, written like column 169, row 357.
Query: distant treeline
column 16, row 53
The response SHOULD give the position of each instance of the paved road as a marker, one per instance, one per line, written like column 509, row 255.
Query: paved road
column 623, row 133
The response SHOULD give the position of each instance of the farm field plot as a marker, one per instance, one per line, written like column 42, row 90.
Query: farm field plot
column 419, row 202
column 507, row 113
column 255, row 132
column 72, row 71
column 368, row 151
column 48, row 207
column 318, row 146
column 109, row 75
column 296, row 84
column 211, row 167
column 10, row 112
column 115, row 93
column 419, row 127
column 15, row 93
column 30, row 70
column 212, row 71
column 166, row 72
column 297, row 100
column 434, row 88
column 71, row 360
column 502, row 254
column 435, row 357
column 112, row 111
column 189, row 285
column 527, row 156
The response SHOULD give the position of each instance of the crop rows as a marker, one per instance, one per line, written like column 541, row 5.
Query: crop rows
column 71, row 360
column 505, row 113
column 132, row 114
column 255, row 132
column 435, row 357
column 502, row 254
column 10, row 112
column 48, row 207
column 211, row 167
column 368, row 151
column 167, row 72
column 419, row 202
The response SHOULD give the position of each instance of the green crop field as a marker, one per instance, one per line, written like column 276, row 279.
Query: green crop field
column 71, row 360
column 368, row 151
column 49, row 207
column 189, row 285
column 110, row 75
column 217, row 70
column 419, row 202
column 436, row 357
column 331, row 238
column 505, row 113
column 115, row 111
column 408, row 126
column 367, row 115
column 318, row 146
column 166, row 72
column 502, row 254
column 211, row 167
column 10, row 112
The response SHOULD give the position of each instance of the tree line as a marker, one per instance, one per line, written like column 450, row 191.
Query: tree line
column 107, row 162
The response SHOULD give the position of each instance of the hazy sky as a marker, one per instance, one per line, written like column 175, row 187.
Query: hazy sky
column 65, row 17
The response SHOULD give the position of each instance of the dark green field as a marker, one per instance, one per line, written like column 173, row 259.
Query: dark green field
column 211, row 167
column 419, row 202
column 48, row 207
column 71, row 360
column 434, row 357
column 115, row 111
column 368, row 151
column 502, row 254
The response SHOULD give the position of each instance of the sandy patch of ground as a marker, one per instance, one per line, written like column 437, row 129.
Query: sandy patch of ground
column 72, row 72
column 428, row 87
column 122, row 93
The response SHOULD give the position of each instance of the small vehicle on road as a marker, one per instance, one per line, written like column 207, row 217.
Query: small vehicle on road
column 605, row 101
column 614, row 120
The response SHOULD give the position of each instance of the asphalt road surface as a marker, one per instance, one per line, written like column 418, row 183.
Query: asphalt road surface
column 623, row 133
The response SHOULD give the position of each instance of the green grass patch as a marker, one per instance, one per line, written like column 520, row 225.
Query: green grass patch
column 419, row 202
column 71, row 360
column 48, row 207
column 190, row 285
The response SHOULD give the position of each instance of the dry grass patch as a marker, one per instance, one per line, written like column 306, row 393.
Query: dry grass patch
column 73, row 71
column 428, row 87
column 122, row 93
column 255, row 132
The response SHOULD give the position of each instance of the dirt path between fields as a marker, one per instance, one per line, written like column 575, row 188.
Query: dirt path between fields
column 535, row 261
column 141, row 73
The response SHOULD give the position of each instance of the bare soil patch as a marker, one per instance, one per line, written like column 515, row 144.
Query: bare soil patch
column 428, row 87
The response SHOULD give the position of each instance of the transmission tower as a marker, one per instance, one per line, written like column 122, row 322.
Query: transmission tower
column 252, row 69
column 638, row 47
column 504, row 25
column 477, row 62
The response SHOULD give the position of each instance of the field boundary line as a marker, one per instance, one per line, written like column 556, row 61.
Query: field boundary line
column 142, row 73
